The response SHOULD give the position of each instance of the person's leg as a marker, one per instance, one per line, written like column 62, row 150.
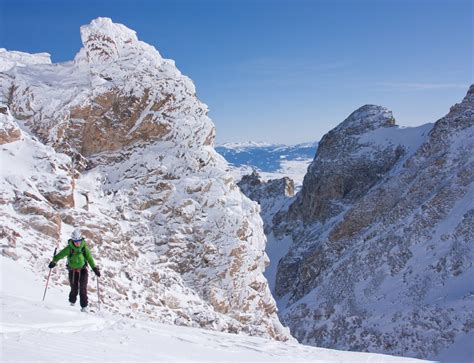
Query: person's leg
column 83, row 287
column 74, row 283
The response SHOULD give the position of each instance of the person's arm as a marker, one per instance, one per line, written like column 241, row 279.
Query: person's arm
column 91, row 261
column 63, row 253
column 89, row 257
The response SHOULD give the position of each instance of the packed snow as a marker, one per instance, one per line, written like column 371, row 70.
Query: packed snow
column 32, row 330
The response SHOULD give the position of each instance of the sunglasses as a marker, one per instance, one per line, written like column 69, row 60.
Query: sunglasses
column 77, row 240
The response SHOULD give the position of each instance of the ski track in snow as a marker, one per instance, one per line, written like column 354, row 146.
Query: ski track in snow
column 32, row 330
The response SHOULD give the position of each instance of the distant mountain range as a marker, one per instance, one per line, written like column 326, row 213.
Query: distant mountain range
column 266, row 157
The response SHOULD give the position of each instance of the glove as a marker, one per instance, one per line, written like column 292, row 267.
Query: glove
column 52, row 264
column 96, row 271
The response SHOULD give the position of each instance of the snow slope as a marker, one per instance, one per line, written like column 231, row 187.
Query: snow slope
column 52, row 331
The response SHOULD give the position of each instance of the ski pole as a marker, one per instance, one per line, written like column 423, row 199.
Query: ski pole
column 98, row 291
column 47, row 281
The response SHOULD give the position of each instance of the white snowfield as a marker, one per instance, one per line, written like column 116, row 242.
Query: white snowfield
column 53, row 331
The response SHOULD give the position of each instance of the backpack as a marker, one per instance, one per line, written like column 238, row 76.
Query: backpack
column 71, row 253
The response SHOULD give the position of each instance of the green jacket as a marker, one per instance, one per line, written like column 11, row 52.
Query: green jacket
column 77, row 256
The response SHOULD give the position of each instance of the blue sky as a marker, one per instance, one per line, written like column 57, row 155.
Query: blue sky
column 281, row 71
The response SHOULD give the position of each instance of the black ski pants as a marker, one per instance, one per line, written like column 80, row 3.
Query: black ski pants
column 78, row 281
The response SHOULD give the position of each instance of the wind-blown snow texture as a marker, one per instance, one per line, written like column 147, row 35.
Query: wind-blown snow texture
column 116, row 143
column 376, row 251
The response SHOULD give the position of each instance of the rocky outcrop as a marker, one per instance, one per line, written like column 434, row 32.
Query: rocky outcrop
column 271, row 195
column 35, row 184
column 177, row 240
column 381, row 252
column 258, row 190
column 9, row 132
column 346, row 166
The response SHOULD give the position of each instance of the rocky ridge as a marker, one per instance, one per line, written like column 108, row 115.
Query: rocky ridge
column 117, row 143
column 334, row 177
column 378, row 243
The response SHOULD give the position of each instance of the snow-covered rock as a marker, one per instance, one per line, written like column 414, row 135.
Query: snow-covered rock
column 270, row 195
column 379, row 240
column 11, row 59
column 9, row 131
column 347, row 165
column 117, row 143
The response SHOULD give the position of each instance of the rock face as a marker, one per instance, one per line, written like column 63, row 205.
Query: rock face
column 261, row 191
column 9, row 131
column 270, row 195
column 118, row 144
column 381, row 254
column 346, row 166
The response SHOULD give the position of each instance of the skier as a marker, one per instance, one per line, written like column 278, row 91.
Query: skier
column 78, row 256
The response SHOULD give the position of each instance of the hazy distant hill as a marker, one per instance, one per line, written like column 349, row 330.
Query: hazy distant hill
column 266, row 157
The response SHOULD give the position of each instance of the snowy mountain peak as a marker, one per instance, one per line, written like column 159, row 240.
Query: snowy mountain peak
column 177, row 240
column 365, row 118
column 470, row 91
column 106, row 41
column 467, row 104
